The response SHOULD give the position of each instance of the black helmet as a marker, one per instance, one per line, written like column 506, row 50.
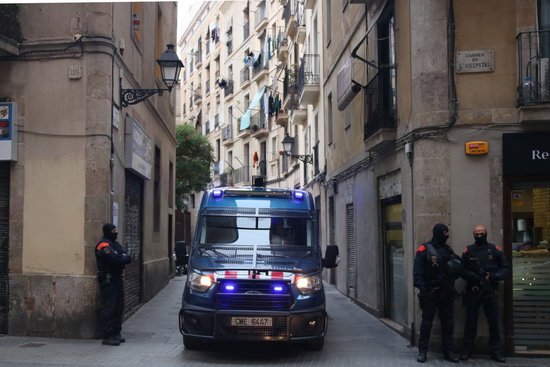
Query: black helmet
column 454, row 266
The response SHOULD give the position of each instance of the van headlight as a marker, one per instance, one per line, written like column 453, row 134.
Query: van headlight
column 307, row 285
column 199, row 282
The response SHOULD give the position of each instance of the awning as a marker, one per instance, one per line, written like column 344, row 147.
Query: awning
column 245, row 119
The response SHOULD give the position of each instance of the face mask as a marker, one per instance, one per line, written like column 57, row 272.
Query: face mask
column 112, row 236
column 482, row 240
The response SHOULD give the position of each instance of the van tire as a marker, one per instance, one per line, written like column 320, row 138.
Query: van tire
column 316, row 344
column 191, row 343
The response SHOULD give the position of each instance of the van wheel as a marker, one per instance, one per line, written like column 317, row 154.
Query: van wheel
column 191, row 343
column 316, row 344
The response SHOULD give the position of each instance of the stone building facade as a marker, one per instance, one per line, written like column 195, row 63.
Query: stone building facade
column 83, row 159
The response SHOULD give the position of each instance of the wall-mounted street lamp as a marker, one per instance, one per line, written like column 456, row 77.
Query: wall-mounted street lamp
column 288, row 143
column 170, row 67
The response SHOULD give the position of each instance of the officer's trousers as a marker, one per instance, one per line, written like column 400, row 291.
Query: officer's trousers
column 490, row 308
column 112, row 307
column 443, row 304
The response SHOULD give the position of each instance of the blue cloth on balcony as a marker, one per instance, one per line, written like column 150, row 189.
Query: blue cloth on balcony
column 245, row 119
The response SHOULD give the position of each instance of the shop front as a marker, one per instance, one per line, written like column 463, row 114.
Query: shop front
column 526, row 189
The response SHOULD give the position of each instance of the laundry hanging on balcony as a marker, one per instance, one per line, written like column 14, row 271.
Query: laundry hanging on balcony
column 245, row 119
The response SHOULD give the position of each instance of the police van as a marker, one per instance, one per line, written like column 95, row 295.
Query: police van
column 255, row 269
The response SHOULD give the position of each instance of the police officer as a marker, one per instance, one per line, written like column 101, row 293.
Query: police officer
column 111, row 259
column 484, row 265
column 436, row 267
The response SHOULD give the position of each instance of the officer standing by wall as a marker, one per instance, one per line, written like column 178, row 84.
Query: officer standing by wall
column 484, row 265
column 111, row 259
column 436, row 267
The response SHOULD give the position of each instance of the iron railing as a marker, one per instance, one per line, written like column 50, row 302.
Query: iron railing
column 228, row 89
column 241, row 174
column 309, row 71
column 288, row 12
column 260, row 64
column 10, row 27
column 227, row 133
column 380, row 113
column 261, row 13
column 534, row 67
column 245, row 75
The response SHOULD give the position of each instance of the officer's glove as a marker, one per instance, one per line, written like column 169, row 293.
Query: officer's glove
column 490, row 277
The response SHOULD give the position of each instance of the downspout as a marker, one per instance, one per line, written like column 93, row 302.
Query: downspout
column 451, row 37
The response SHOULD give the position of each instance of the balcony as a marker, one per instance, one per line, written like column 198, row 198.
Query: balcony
column 289, row 89
column 282, row 47
column 245, row 76
column 10, row 30
column 241, row 175
column 281, row 119
column 244, row 133
column 308, row 79
column 380, row 118
column 197, row 95
column 259, row 125
column 534, row 76
column 216, row 121
column 261, row 17
column 299, row 115
column 228, row 89
column 227, row 135
column 260, row 67
column 290, row 19
column 299, row 13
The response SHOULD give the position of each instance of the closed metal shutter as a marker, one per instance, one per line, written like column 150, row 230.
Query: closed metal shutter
column 4, row 243
column 352, row 251
column 133, row 242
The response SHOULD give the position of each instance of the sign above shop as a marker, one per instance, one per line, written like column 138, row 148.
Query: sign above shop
column 476, row 61
column 477, row 147
column 527, row 153
column 138, row 149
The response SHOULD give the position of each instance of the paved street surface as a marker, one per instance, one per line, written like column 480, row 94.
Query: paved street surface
column 355, row 338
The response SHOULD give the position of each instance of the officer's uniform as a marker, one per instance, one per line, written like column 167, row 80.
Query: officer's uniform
column 478, row 260
column 111, row 259
column 435, row 280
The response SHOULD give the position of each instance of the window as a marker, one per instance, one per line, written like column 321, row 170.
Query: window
column 329, row 117
column 381, row 98
column 156, row 193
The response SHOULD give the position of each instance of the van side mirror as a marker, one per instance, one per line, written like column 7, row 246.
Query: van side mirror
column 332, row 257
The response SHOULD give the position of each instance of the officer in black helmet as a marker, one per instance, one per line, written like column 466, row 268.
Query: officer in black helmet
column 111, row 259
column 484, row 266
column 436, row 267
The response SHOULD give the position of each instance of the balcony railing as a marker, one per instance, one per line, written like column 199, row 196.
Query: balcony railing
column 381, row 113
column 9, row 22
column 258, row 121
column 197, row 94
column 261, row 14
column 534, row 67
column 245, row 75
column 289, row 13
column 309, row 71
column 227, row 133
column 241, row 174
column 228, row 90
column 260, row 65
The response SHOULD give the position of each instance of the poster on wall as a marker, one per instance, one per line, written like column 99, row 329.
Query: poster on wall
column 138, row 149
column 8, row 131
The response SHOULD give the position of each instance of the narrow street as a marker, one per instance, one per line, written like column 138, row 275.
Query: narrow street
column 355, row 338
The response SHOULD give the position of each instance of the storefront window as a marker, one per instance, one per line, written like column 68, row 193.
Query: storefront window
column 530, row 204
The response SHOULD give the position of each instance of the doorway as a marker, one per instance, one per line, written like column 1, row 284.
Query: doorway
column 393, row 252
column 4, row 243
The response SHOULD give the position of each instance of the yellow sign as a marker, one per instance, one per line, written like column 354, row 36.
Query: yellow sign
column 477, row 147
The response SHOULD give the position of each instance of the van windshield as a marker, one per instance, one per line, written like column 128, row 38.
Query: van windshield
column 242, row 230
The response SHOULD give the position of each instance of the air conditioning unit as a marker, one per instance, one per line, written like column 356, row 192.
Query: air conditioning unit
column 544, row 78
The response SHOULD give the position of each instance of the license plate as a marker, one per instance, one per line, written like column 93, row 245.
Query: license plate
column 252, row 321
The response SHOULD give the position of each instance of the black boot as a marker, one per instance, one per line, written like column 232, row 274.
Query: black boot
column 451, row 357
column 496, row 356
column 422, row 356
column 465, row 355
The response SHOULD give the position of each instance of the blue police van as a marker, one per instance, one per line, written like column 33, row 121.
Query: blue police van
column 255, row 269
